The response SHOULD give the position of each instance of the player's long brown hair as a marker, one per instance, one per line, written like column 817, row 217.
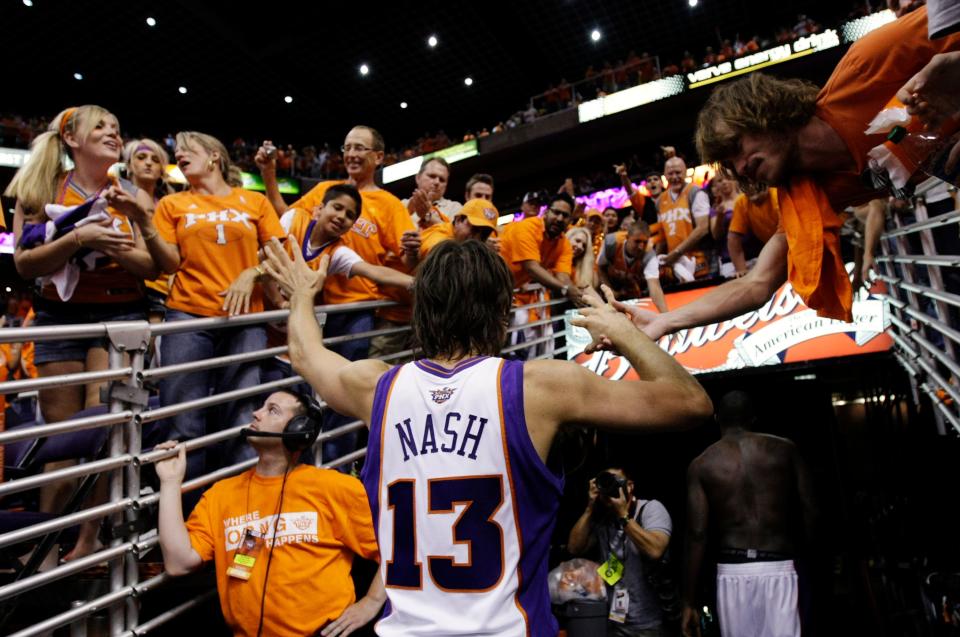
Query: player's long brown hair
column 756, row 104
column 462, row 297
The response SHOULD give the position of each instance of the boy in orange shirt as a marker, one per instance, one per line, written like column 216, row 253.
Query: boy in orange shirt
column 383, row 234
column 321, row 232
column 315, row 234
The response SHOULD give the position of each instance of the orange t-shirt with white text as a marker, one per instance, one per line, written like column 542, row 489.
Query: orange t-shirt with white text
column 218, row 238
column 323, row 522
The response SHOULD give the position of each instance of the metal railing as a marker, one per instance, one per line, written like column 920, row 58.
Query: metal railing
column 123, row 458
column 923, row 301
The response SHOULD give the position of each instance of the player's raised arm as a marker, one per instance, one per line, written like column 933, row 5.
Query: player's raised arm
column 666, row 397
column 347, row 387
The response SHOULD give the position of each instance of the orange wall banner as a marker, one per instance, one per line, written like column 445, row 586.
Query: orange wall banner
column 783, row 331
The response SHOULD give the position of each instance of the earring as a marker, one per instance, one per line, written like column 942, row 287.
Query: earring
column 210, row 164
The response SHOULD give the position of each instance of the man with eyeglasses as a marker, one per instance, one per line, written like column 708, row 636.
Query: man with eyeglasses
column 541, row 260
column 384, row 234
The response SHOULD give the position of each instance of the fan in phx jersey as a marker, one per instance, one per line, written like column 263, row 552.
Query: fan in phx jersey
column 462, row 425
column 630, row 534
column 278, row 534
column 810, row 143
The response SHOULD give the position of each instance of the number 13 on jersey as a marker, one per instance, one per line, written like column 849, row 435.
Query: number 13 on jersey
column 475, row 529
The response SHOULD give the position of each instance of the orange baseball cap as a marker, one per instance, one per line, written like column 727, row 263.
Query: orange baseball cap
column 593, row 212
column 480, row 213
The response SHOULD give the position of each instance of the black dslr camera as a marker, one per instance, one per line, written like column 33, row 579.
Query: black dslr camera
column 609, row 484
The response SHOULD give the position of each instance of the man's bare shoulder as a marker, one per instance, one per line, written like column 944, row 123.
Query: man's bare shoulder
column 773, row 443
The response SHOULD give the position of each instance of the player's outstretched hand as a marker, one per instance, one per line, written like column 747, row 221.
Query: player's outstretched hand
column 650, row 323
column 294, row 276
column 606, row 324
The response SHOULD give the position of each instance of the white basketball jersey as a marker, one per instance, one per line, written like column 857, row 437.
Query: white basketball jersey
column 462, row 504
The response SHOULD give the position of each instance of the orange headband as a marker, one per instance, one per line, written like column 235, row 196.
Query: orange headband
column 66, row 119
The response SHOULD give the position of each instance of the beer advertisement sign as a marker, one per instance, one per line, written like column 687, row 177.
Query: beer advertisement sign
column 782, row 331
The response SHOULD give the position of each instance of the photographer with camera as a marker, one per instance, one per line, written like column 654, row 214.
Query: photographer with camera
column 630, row 535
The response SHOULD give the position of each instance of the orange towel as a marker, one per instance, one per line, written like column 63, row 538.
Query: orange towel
column 814, row 264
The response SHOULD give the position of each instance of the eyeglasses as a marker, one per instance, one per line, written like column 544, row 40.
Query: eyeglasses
column 357, row 148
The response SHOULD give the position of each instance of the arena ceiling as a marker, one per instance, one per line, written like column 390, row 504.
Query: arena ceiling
column 238, row 64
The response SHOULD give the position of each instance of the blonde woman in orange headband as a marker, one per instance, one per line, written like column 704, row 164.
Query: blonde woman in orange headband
column 109, row 282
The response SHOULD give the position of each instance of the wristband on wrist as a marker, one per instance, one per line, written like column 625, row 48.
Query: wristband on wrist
column 151, row 235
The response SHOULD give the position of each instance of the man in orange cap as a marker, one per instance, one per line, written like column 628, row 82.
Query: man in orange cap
column 476, row 220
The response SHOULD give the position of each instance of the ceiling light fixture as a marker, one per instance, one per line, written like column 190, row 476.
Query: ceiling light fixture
column 288, row 99
column 403, row 104
column 183, row 90
column 468, row 81
column 364, row 69
column 595, row 35
column 693, row 3
column 151, row 22
column 28, row 3
column 432, row 41
column 78, row 76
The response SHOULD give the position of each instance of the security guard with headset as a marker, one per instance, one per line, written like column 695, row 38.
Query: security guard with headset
column 278, row 533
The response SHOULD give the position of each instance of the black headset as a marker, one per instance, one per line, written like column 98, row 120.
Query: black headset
column 301, row 431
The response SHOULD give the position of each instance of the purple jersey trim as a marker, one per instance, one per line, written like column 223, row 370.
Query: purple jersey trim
column 438, row 370
column 370, row 474
column 536, row 494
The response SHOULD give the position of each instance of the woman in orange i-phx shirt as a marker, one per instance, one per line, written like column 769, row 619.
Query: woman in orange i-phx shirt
column 209, row 236
column 89, row 273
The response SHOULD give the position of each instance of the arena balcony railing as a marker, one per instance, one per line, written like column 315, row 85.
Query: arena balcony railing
column 122, row 459
column 923, row 311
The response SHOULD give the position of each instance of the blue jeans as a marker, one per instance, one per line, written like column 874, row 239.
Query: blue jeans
column 187, row 347
column 342, row 324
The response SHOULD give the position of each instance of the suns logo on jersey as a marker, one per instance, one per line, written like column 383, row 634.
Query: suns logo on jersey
column 441, row 396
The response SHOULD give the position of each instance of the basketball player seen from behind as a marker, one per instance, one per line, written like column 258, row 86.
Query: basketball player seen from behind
column 748, row 490
column 462, row 493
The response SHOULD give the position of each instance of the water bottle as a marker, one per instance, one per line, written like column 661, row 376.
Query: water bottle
column 911, row 153
column 928, row 151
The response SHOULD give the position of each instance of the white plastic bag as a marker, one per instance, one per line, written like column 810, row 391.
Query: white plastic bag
column 575, row 579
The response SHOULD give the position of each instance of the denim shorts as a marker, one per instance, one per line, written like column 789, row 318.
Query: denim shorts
column 75, row 349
